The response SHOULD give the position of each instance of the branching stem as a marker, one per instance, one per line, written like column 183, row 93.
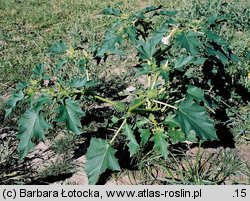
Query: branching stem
column 136, row 106
column 118, row 131
column 105, row 100
column 168, row 105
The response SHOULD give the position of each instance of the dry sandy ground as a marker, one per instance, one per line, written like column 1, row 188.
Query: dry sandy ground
column 43, row 156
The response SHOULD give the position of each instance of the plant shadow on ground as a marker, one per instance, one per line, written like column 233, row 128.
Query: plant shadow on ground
column 224, row 88
column 99, row 115
column 215, row 75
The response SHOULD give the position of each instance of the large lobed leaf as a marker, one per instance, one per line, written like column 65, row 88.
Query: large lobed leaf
column 100, row 156
column 11, row 103
column 58, row 48
column 195, row 93
column 38, row 70
column 176, row 136
column 159, row 33
column 148, row 49
column 32, row 126
column 160, row 143
column 182, row 61
column 59, row 65
column 78, row 82
column 132, row 35
column 189, row 41
column 38, row 104
column 132, row 145
column 145, row 135
column 192, row 116
column 110, row 44
column 71, row 112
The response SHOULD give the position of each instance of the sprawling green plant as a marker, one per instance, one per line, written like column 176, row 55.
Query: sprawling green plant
column 51, row 97
column 181, row 64
column 175, row 107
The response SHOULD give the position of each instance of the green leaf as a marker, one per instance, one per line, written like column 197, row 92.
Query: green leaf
column 142, row 122
column 176, row 136
column 12, row 102
column 82, row 65
column 114, row 119
column 100, row 156
column 192, row 116
column 233, row 57
column 219, row 54
column 152, row 93
column 189, row 41
column 71, row 113
column 195, row 93
column 58, row 48
column 161, row 144
column 37, row 104
column 171, row 122
column 82, row 82
column 192, row 137
column 167, row 12
column 59, row 65
column 142, row 71
column 111, row 11
column 215, row 38
column 248, row 55
column 78, row 82
column 21, row 85
column 212, row 19
column 109, row 44
column 32, row 126
column 131, row 32
column 91, row 83
column 120, row 106
column 199, row 61
column 132, row 145
column 182, row 61
column 146, row 50
column 157, row 37
column 145, row 135
column 38, row 70
column 165, row 75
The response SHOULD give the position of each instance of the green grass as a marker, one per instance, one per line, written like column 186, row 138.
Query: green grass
column 65, row 144
column 56, row 168
column 29, row 27
column 198, row 166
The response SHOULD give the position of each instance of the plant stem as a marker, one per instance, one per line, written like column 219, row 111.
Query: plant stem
column 210, row 109
column 143, row 111
column 149, row 81
column 136, row 106
column 155, row 79
column 157, row 54
column 155, row 101
column 105, row 100
column 87, row 75
column 118, row 131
